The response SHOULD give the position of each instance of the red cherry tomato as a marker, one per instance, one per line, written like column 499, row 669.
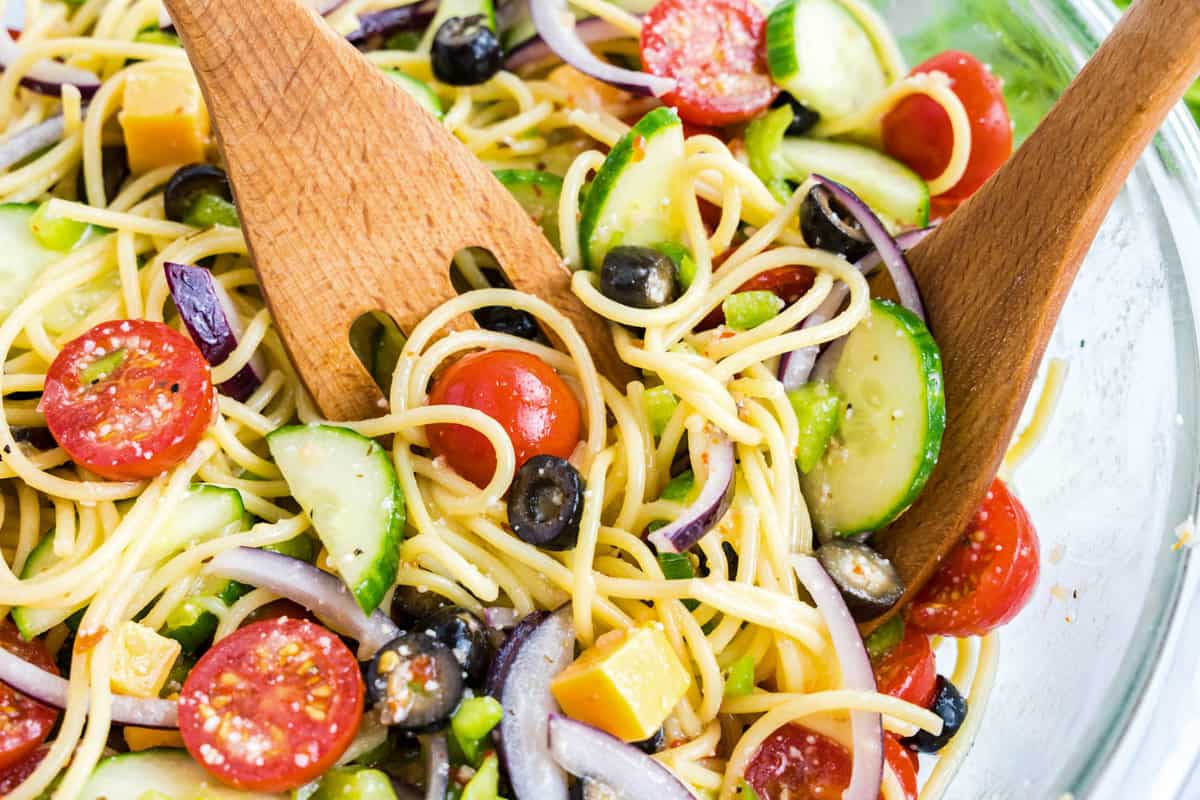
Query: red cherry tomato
column 908, row 670
column 788, row 283
column 798, row 763
column 989, row 576
column 272, row 706
column 129, row 399
column 519, row 391
column 716, row 52
column 917, row 131
column 24, row 722
column 15, row 775
column 903, row 763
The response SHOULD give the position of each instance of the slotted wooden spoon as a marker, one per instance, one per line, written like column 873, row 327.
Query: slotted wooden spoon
column 995, row 275
column 353, row 198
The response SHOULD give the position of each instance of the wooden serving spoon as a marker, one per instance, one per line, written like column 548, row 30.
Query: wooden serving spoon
column 994, row 276
column 353, row 197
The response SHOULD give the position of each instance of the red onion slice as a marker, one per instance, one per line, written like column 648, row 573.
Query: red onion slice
column 390, row 21
column 47, row 77
column 588, row 752
column 866, row 777
column 210, row 318
column 321, row 593
column 540, row 647
column 31, row 140
column 556, row 27
column 535, row 50
column 711, row 504
column 796, row 367
column 50, row 689
column 437, row 766
column 885, row 245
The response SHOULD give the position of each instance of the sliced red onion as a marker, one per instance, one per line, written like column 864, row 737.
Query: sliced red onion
column 540, row 647
column 885, row 245
column 500, row 618
column 437, row 766
column 796, row 367
column 535, row 50
column 48, row 688
column 711, row 504
column 556, row 27
column 590, row 753
column 31, row 140
column 321, row 593
column 866, row 727
column 47, row 77
column 390, row 21
column 210, row 318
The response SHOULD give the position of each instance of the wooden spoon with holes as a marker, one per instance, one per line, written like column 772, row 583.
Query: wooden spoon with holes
column 353, row 198
column 995, row 275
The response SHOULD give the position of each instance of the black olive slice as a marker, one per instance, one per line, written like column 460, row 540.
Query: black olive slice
column 545, row 503
column 415, row 681
column 467, row 638
column 466, row 51
column 827, row 225
column 951, row 706
column 868, row 582
column 638, row 277
column 189, row 184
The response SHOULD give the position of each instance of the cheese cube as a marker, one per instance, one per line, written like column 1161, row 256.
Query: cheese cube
column 626, row 684
column 142, row 660
column 140, row 739
column 165, row 119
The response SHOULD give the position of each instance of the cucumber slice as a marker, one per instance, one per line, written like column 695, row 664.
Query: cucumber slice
column 33, row 622
column 893, row 190
column 207, row 512
column 820, row 53
column 538, row 193
column 419, row 91
column 23, row 258
column 456, row 8
column 173, row 773
column 192, row 624
column 631, row 200
column 889, row 377
column 348, row 486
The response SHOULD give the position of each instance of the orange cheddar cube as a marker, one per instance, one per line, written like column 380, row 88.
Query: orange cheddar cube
column 165, row 120
column 626, row 684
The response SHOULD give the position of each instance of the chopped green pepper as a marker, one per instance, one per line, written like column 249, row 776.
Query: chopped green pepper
column 485, row 783
column 885, row 637
column 354, row 784
column 56, row 233
column 746, row 310
column 818, row 413
column 739, row 681
column 472, row 723
column 680, row 487
column 210, row 210
column 660, row 406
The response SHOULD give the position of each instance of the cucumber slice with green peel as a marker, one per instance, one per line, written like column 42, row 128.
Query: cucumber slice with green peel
column 347, row 485
column 889, row 377
column 32, row 622
column 630, row 202
column 456, row 8
column 891, row 189
column 172, row 773
column 191, row 623
column 419, row 90
column 819, row 52
column 538, row 193
column 207, row 512
column 24, row 257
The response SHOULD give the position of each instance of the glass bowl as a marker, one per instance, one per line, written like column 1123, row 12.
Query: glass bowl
column 1098, row 694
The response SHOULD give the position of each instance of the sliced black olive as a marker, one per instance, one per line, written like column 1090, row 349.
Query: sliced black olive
column 869, row 583
column 827, row 225
column 411, row 606
column 513, row 321
column 466, row 51
column 587, row 789
column 803, row 117
column 189, row 184
column 951, row 706
column 639, row 277
column 466, row 636
column 545, row 503
column 38, row 438
column 415, row 681
column 114, row 166
column 653, row 744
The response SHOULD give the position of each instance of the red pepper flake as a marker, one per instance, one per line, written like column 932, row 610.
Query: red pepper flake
column 639, row 148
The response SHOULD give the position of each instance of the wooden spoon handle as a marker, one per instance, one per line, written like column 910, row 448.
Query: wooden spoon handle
column 996, row 273
column 354, row 198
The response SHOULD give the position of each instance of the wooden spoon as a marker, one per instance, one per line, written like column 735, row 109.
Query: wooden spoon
column 995, row 274
column 353, row 197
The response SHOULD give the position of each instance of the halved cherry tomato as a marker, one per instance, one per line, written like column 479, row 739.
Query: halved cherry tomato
column 129, row 399
column 272, row 706
column 989, row 576
column 917, row 131
column 716, row 52
column 14, row 776
column 788, row 283
column 521, row 392
column 903, row 763
column 908, row 670
column 24, row 723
